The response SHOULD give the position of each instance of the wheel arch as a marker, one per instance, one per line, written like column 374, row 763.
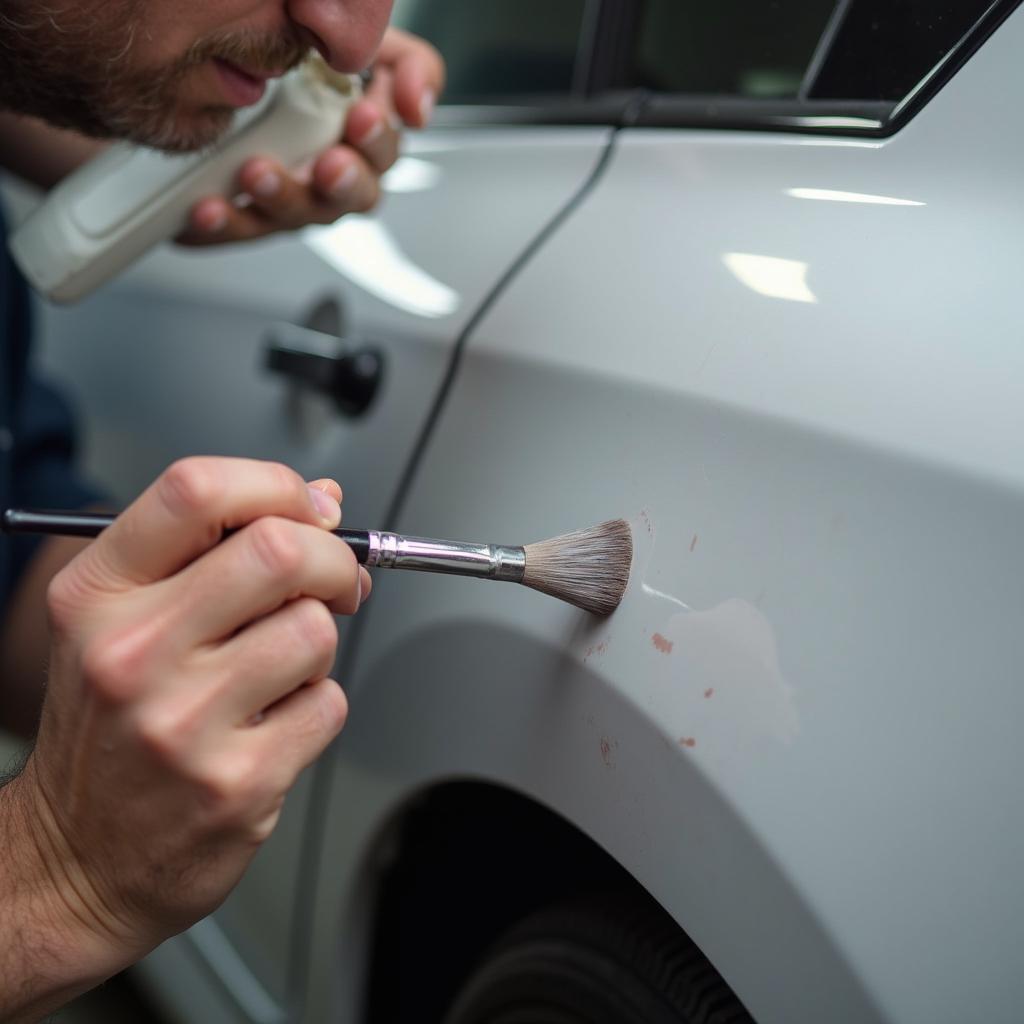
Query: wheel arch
column 533, row 760
column 505, row 853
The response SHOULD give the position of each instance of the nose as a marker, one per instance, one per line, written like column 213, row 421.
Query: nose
column 346, row 32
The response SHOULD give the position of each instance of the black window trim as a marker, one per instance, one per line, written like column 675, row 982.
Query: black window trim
column 615, row 20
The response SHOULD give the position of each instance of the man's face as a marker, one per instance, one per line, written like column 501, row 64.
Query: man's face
column 168, row 74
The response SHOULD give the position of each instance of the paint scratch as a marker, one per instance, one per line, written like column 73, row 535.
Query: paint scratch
column 607, row 751
column 693, row 543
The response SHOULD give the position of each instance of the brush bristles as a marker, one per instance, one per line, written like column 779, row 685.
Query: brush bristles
column 588, row 568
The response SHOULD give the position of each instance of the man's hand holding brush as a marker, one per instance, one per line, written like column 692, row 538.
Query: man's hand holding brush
column 188, row 687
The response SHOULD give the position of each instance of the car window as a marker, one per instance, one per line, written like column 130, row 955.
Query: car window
column 836, row 66
column 884, row 48
column 500, row 49
column 728, row 47
column 870, row 50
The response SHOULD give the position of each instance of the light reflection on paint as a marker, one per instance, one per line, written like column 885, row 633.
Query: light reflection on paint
column 833, row 196
column 364, row 251
column 831, row 121
column 411, row 174
column 661, row 595
column 772, row 276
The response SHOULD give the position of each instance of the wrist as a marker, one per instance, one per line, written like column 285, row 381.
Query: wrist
column 54, row 945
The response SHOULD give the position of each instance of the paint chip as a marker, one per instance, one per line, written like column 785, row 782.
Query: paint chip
column 607, row 748
column 687, row 741
column 661, row 643
column 709, row 692
column 693, row 543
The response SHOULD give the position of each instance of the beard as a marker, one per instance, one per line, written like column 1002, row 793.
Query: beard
column 74, row 70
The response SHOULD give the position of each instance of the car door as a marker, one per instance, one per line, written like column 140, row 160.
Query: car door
column 172, row 360
column 775, row 349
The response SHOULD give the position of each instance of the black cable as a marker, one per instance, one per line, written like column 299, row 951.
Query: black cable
column 308, row 878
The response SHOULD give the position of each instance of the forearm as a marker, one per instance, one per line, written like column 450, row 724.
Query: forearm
column 25, row 637
column 49, row 952
column 40, row 153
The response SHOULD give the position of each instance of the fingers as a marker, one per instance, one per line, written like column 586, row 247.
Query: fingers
column 328, row 486
column 408, row 77
column 332, row 488
column 342, row 181
column 296, row 730
column 274, row 656
column 365, row 584
column 372, row 126
column 256, row 571
column 419, row 74
column 185, row 512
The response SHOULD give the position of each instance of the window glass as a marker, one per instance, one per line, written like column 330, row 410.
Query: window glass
column 499, row 48
column 885, row 47
column 752, row 48
column 856, row 50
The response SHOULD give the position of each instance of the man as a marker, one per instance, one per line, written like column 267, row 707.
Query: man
column 188, row 679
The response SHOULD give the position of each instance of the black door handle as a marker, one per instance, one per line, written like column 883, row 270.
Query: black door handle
column 344, row 369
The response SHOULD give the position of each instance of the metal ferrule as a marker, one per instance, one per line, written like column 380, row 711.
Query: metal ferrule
column 485, row 561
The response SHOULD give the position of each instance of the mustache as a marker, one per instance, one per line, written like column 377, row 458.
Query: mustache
column 251, row 51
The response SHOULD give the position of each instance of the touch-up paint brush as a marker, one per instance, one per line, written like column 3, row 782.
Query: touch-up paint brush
column 587, row 568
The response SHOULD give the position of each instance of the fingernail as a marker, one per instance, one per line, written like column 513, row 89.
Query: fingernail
column 359, row 588
column 427, row 101
column 326, row 507
column 266, row 184
column 344, row 181
column 373, row 134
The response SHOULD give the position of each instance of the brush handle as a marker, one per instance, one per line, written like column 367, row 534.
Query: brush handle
column 372, row 548
column 92, row 524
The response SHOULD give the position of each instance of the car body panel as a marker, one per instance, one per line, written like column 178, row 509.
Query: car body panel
column 169, row 362
column 799, row 731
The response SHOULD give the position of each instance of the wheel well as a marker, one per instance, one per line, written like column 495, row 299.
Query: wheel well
column 463, row 862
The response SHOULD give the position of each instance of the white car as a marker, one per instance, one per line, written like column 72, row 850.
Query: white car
column 746, row 275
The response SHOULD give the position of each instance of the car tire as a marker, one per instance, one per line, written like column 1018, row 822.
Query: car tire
column 598, row 961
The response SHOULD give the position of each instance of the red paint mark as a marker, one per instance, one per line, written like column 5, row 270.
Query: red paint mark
column 693, row 543
column 687, row 741
column 709, row 692
column 602, row 647
column 607, row 748
column 662, row 644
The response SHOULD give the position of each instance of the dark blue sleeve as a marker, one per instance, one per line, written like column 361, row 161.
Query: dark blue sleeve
column 37, row 466
column 43, row 463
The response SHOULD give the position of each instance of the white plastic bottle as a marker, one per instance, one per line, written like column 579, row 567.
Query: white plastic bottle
column 130, row 198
